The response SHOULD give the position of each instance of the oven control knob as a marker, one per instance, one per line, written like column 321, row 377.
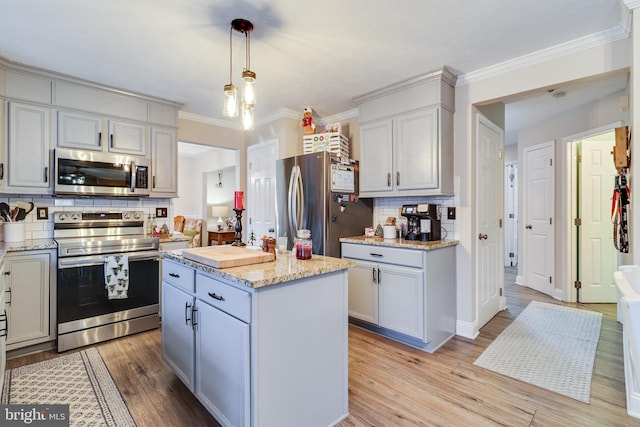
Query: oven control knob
column 136, row 215
column 126, row 215
column 75, row 216
column 62, row 216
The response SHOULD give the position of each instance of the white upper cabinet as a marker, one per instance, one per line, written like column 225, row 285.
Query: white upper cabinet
column 164, row 163
column 29, row 131
column 406, row 138
column 76, row 130
column 127, row 137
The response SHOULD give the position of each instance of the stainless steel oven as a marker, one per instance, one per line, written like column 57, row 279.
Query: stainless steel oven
column 89, row 173
column 86, row 312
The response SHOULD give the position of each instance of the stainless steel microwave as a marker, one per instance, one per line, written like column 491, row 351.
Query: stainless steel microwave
column 87, row 173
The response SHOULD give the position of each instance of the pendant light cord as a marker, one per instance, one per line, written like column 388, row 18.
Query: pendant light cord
column 230, row 55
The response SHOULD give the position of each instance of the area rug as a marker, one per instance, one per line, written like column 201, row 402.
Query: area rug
column 79, row 379
column 550, row 346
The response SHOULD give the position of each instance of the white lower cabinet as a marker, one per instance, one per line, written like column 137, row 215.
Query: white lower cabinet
column 3, row 327
column 222, row 365
column 407, row 294
column 177, row 332
column 28, row 303
column 207, row 348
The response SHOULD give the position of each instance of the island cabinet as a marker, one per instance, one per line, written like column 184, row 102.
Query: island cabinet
column 406, row 138
column 406, row 294
column 260, row 345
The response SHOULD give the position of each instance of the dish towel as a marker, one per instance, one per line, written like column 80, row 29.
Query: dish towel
column 116, row 276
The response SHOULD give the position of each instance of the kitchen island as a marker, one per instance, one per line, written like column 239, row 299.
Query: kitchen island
column 403, row 289
column 263, row 344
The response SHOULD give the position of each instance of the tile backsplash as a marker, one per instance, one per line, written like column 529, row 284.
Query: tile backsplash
column 384, row 207
column 43, row 229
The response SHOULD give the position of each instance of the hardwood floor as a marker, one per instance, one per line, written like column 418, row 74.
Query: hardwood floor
column 391, row 384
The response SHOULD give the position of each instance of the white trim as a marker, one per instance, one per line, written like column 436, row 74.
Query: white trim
column 631, row 4
column 618, row 32
column 209, row 120
column 467, row 329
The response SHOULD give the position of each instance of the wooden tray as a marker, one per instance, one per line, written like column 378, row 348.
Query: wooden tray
column 225, row 256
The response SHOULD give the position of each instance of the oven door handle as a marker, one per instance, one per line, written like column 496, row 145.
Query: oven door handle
column 88, row 261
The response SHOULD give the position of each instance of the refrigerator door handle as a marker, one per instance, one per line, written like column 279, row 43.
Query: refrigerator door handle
column 301, row 201
column 290, row 201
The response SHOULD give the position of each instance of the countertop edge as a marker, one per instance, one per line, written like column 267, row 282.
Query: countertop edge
column 284, row 269
column 399, row 243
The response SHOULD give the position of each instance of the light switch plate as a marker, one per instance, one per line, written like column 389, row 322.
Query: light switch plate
column 451, row 212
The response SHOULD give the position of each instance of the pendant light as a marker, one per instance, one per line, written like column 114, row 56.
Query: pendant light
column 230, row 107
column 248, row 77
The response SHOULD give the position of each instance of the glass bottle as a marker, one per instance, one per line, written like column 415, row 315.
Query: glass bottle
column 303, row 244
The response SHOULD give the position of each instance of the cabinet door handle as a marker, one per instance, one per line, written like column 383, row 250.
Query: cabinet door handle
column 187, row 306
column 397, row 178
column 5, row 332
column 9, row 297
column 389, row 179
column 153, row 182
column 194, row 317
column 99, row 139
column 214, row 296
column 373, row 271
column 46, row 174
column 379, row 277
column 1, row 170
column 176, row 275
column 111, row 141
column 376, row 255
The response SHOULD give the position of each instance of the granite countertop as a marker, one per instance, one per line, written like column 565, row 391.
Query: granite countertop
column 285, row 268
column 399, row 243
column 28, row 245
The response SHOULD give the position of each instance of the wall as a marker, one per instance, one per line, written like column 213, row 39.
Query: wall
column 220, row 196
column 589, row 62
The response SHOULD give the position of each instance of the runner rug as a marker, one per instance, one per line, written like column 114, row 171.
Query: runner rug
column 550, row 346
column 79, row 379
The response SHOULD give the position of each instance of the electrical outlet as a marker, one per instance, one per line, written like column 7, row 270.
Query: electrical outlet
column 451, row 212
column 161, row 212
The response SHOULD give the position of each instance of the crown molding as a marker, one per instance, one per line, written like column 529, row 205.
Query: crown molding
column 209, row 120
column 613, row 34
column 632, row 4
column 345, row 115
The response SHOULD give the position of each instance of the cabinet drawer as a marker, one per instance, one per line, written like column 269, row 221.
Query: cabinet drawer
column 398, row 256
column 231, row 300
column 178, row 275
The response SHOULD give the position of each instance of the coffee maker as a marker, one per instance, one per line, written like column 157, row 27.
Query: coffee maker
column 423, row 222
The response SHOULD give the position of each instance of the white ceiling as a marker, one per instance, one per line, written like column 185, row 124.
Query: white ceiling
column 317, row 54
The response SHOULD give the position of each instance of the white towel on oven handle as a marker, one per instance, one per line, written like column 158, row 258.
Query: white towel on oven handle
column 116, row 276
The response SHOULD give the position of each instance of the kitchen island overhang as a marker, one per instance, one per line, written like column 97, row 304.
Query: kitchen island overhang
column 296, row 317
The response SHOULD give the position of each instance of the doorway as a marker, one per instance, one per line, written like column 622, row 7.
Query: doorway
column 593, row 254
column 199, row 166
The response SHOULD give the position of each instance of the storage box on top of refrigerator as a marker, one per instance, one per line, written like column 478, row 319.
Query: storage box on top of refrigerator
column 317, row 192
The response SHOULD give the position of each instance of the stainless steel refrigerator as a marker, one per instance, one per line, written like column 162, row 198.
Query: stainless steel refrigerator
column 320, row 195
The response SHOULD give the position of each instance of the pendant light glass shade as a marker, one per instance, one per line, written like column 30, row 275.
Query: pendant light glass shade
column 230, row 107
column 249, row 88
column 247, row 117
column 230, row 101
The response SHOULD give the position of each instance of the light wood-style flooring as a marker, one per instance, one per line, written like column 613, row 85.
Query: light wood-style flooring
column 391, row 384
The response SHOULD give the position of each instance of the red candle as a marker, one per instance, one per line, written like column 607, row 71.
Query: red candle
column 237, row 204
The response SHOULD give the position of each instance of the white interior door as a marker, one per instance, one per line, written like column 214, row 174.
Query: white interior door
column 490, row 239
column 538, row 217
column 597, row 257
column 261, row 181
